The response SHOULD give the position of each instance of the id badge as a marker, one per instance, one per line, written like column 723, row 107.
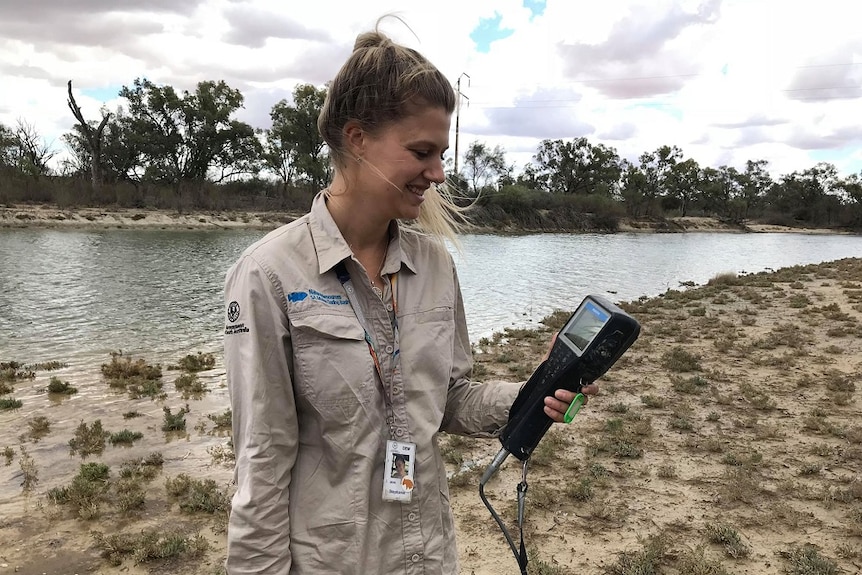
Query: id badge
column 399, row 471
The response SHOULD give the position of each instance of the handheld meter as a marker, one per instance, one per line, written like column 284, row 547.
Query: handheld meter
column 590, row 342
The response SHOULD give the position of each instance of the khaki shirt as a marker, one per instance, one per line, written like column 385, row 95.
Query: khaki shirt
column 309, row 425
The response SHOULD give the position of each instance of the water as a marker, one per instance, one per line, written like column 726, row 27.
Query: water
column 75, row 296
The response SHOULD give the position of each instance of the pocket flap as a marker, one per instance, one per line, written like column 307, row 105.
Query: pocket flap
column 330, row 325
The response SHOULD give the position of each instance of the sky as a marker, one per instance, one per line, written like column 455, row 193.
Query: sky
column 724, row 80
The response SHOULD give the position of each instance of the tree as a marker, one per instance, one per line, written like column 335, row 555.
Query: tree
column 90, row 136
column 185, row 137
column 484, row 166
column 8, row 149
column 720, row 188
column 636, row 192
column 808, row 196
column 31, row 153
column 576, row 167
column 684, row 181
column 294, row 145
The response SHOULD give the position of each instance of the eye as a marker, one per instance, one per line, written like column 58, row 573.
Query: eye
column 421, row 154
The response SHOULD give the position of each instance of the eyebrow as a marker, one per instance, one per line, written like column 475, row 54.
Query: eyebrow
column 427, row 143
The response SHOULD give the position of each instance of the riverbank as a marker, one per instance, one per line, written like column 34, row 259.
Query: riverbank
column 43, row 216
column 726, row 440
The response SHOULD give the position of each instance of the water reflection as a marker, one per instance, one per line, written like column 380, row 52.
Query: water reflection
column 75, row 296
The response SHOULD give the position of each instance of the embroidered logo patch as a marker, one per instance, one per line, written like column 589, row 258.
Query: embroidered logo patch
column 296, row 296
column 232, row 311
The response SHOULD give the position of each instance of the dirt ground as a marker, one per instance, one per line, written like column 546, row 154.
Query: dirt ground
column 728, row 439
column 128, row 218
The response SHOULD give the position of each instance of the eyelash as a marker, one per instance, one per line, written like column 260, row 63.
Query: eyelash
column 422, row 154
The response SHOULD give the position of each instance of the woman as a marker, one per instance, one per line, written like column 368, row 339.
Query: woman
column 346, row 345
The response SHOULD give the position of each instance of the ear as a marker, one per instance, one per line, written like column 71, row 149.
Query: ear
column 354, row 137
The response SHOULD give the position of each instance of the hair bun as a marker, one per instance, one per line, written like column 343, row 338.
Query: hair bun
column 372, row 39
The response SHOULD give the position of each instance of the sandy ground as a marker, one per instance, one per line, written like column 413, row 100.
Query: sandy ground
column 736, row 411
column 115, row 218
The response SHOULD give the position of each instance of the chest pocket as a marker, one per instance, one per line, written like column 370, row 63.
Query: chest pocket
column 333, row 368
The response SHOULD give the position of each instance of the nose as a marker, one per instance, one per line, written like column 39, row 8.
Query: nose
column 434, row 172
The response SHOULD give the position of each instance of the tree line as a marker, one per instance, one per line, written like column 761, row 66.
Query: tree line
column 186, row 149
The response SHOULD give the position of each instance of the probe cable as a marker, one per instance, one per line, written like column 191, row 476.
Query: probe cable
column 520, row 556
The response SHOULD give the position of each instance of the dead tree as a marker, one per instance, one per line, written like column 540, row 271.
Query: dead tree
column 92, row 138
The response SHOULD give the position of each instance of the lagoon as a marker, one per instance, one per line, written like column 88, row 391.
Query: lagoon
column 76, row 295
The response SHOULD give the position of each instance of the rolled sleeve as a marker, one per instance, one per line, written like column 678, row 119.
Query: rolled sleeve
column 258, row 364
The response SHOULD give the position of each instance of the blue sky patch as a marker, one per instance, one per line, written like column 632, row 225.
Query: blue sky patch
column 665, row 107
column 103, row 94
column 536, row 7
column 489, row 31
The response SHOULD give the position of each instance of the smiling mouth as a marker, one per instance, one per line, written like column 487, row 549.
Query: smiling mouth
column 418, row 190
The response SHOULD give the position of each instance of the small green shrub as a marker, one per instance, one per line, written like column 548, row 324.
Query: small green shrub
column 136, row 376
column 125, row 437
column 222, row 421
column 806, row 560
column 195, row 363
column 39, row 427
column 679, row 359
column 61, row 387
column 149, row 545
column 28, row 469
column 190, row 385
column 198, row 495
column 729, row 538
column 175, row 421
column 10, row 403
column 89, row 439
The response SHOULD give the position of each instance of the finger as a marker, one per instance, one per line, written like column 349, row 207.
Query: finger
column 565, row 395
column 555, row 415
column 556, row 405
column 591, row 389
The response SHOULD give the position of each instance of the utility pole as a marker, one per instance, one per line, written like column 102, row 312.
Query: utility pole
column 459, row 95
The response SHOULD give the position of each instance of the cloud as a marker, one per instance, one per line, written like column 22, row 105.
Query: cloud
column 820, row 83
column 252, row 27
column 622, row 131
column 92, row 23
column 756, row 120
column 808, row 139
column 544, row 114
column 640, row 55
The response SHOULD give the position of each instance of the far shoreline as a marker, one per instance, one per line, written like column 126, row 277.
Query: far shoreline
column 111, row 218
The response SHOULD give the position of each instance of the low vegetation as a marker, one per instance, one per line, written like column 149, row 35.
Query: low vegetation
column 719, row 443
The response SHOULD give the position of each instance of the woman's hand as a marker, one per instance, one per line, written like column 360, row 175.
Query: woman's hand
column 556, row 406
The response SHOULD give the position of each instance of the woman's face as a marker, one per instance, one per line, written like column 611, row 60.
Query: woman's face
column 401, row 161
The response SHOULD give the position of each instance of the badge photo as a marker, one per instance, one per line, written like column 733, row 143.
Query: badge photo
column 398, row 476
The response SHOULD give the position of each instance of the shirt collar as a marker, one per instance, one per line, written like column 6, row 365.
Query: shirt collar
column 331, row 247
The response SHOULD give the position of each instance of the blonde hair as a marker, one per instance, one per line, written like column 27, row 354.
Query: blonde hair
column 381, row 83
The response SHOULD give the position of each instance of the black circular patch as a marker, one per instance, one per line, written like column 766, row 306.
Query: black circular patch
column 232, row 311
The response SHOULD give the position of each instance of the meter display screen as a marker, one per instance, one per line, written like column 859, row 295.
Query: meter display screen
column 584, row 326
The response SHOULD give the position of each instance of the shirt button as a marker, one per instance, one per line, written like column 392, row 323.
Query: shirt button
column 412, row 517
column 399, row 432
column 389, row 349
column 416, row 557
column 389, row 307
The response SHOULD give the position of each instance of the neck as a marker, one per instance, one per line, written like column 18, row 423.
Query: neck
column 360, row 223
